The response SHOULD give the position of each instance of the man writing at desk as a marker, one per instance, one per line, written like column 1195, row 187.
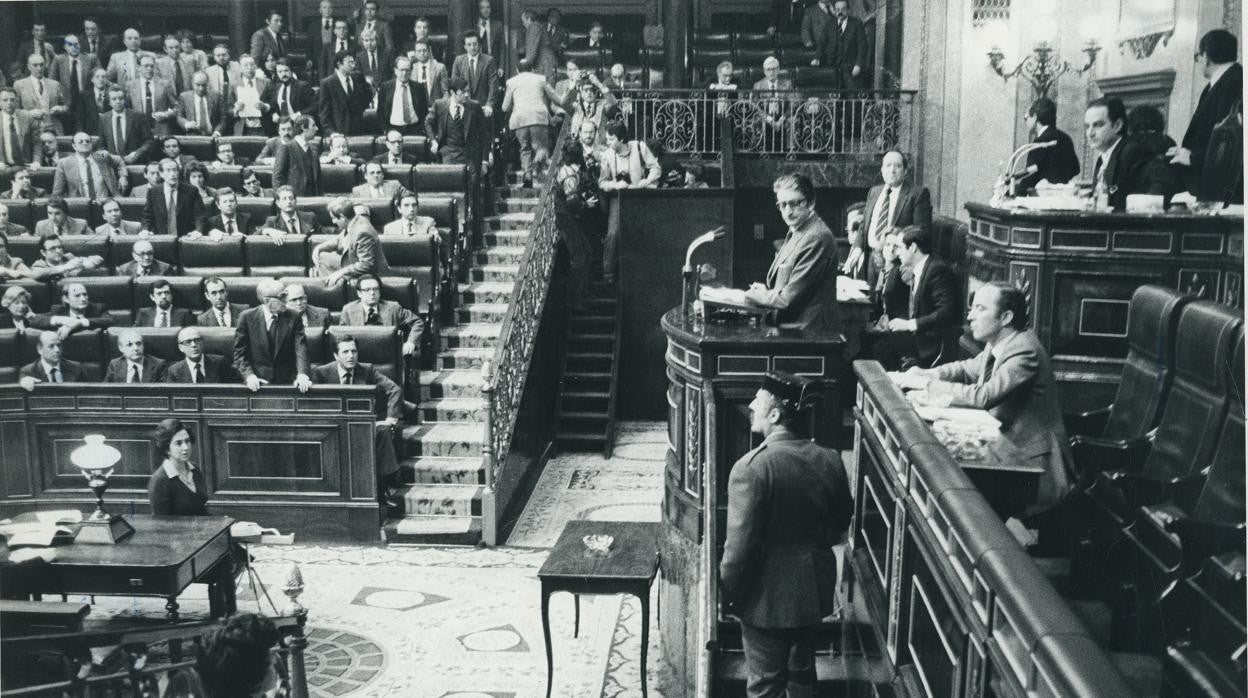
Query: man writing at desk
column 801, row 284
column 1012, row 379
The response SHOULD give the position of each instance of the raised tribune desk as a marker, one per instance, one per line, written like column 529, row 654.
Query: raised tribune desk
column 1079, row 270
column 290, row 460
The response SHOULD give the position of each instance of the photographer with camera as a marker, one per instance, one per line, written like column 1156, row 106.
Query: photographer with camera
column 626, row 164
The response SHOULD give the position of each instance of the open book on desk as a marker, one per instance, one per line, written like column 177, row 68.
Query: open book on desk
column 722, row 295
column 41, row 529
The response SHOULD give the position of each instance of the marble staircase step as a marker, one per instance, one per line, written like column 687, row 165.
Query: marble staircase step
column 518, row 204
column 441, row 470
column 494, row 272
column 450, row 439
column 507, row 237
column 525, row 192
column 435, row 500
column 464, row 358
column 519, row 220
column 453, row 409
column 482, row 312
column 476, row 334
column 486, row 292
column 432, row 530
column 440, row 384
column 501, row 254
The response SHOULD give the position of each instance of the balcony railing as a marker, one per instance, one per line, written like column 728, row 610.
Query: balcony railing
column 782, row 123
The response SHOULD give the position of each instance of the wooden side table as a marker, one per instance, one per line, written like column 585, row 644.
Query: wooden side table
column 629, row 567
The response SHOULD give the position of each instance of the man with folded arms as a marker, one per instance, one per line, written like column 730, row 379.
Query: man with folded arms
column 77, row 312
column 134, row 365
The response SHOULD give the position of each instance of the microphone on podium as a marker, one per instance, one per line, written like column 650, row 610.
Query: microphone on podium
column 1011, row 177
column 689, row 290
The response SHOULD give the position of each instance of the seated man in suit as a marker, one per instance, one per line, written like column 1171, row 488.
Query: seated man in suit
column 134, row 365
column 228, row 221
column 895, row 203
column 143, row 262
column 357, row 243
column 347, row 369
column 376, row 186
column 113, row 223
column 221, row 312
column 1122, row 168
column 269, row 342
column 339, row 152
column 56, row 263
column 50, row 367
column 1013, row 379
column 394, row 154
column 76, row 310
column 297, row 302
column 196, row 366
column 171, row 147
column 8, row 228
column 289, row 219
column 20, row 188
column 226, row 158
column 409, row 221
column 370, row 309
column 285, row 132
column 11, row 267
column 151, row 180
column 59, row 222
column 162, row 313
column 251, row 185
column 930, row 334
column 94, row 175
column 1056, row 164
column 175, row 207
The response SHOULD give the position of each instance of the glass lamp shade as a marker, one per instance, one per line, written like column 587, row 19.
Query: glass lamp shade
column 94, row 455
column 96, row 460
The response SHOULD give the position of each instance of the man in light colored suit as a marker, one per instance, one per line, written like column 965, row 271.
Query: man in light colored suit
column 59, row 222
column 134, row 365
column 409, row 221
column 113, row 223
column 94, row 175
column 1013, row 379
column 429, row 72
column 170, row 66
column 358, row 244
column 40, row 97
column 73, row 69
column 154, row 97
column 529, row 98
column 123, row 66
column 376, row 186
column 775, row 111
column 199, row 110
column 17, row 132
column 370, row 309
column 223, row 72
column 267, row 40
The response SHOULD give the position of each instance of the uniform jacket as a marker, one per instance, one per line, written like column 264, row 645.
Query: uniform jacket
column 277, row 362
column 801, row 283
column 1022, row 394
column 788, row 504
column 153, row 370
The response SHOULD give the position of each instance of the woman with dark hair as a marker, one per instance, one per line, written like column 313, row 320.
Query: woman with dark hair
column 237, row 661
column 575, row 194
column 177, row 486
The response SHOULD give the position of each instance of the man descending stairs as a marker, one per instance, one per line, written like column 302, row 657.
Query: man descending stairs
column 439, row 501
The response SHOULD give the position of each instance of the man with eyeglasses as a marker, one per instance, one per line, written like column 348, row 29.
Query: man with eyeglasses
column 801, row 283
column 297, row 302
column 143, row 262
column 370, row 309
column 251, row 185
column 162, row 313
column 73, row 69
column 41, row 97
column 199, row 110
column 154, row 97
column 196, row 366
column 221, row 312
column 92, row 174
column 376, row 186
column 50, row 367
column 394, row 155
column 269, row 342
column 134, row 365
column 402, row 103
column 57, row 263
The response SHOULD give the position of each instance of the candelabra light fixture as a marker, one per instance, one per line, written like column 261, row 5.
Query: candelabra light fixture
column 1042, row 68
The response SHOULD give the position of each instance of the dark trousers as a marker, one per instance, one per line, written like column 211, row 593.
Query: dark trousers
column 416, row 129
column 611, row 243
column 780, row 661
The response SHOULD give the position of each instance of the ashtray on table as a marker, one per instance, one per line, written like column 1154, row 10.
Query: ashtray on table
column 598, row 543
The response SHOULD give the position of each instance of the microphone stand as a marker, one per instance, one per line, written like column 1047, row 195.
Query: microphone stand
column 689, row 289
column 1010, row 174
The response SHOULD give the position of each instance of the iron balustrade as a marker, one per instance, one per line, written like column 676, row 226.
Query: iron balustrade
column 787, row 123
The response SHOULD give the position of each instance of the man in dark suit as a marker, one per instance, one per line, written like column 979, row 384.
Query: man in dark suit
column 289, row 97
column 134, row 365
column 50, row 367
column 370, row 309
column 1013, row 379
column 77, row 312
column 490, row 32
column 196, row 366
column 298, row 163
column 930, row 332
column 228, row 220
column 1121, row 166
column 372, row 60
column 143, row 262
column 105, row 173
column 344, row 97
column 402, row 103
column 162, row 313
column 93, row 102
column 200, row 111
column 395, row 154
column 479, row 73
column 788, row 504
column 343, row 42
column 269, row 343
column 816, row 26
column 801, row 283
column 1226, row 88
column 73, row 70
column 124, row 132
column 95, row 43
column 312, row 315
column 1056, row 164
column 846, row 50
column 187, row 204
column 221, row 312
column 320, row 33
column 347, row 369
column 893, row 204
column 369, row 22
column 16, row 152
column 457, row 129
column 267, row 40
column 288, row 220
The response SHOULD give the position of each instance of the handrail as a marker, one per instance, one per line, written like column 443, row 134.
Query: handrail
column 504, row 375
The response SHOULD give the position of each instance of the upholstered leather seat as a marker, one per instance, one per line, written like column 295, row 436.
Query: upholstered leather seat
column 164, row 247
column 380, row 211
column 132, row 206
column 379, row 346
column 113, row 291
column 441, row 179
column 10, row 355
column 248, row 147
column 42, row 295
column 219, row 341
column 759, row 40
column 586, row 58
column 1152, row 324
column 401, row 174
column 712, row 40
column 267, row 258
column 203, row 148
column 418, row 258
column 207, row 257
column 339, row 179
column 753, row 57
column 226, row 176
column 442, row 209
column 257, row 209
column 362, row 147
column 20, row 213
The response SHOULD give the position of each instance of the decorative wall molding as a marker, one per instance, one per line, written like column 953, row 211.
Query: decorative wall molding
column 1143, row 24
column 1152, row 89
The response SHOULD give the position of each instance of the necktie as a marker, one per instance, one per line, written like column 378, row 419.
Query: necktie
column 349, row 90
column 373, row 317
column 74, row 85
column 90, row 179
column 173, row 211
column 283, row 99
column 134, row 374
column 56, row 375
column 879, row 219
column 372, row 62
column 326, row 25
column 342, row 46
column 348, row 378
column 272, row 330
column 424, row 74
column 459, row 113
column 223, row 320
column 147, row 99
column 12, row 152
column 989, row 364
column 39, row 86
column 225, row 80
column 408, row 116
column 914, row 293
column 99, row 101
column 229, row 226
column 91, row 47
column 119, row 135
column 202, row 118
column 472, row 71
column 179, row 81
column 292, row 226
column 198, row 376
column 162, row 318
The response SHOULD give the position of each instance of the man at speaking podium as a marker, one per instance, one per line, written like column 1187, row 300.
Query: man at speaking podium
column 801, row 283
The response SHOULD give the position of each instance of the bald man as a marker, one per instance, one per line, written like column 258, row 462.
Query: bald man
column 50, row 367
column 134, row 365
column 269, row 343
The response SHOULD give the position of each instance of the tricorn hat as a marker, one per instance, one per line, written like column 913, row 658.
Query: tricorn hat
column 795, row 393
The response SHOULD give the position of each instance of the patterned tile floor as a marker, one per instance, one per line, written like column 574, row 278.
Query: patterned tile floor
column 440, row 622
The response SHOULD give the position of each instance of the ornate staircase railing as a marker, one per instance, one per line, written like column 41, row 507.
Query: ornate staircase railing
column 781, row 123
column 504, row 375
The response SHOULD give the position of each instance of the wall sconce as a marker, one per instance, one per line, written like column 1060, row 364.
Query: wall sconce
column 1042, row 68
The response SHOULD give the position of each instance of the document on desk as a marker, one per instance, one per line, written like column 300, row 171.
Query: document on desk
column 964, row 416
column 851, row 289
column 724, row 296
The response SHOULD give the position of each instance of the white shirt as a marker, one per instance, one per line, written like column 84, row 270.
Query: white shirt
column 131, row 369
column 48, row 368
column 268, row 319
column 396, row 108
column 917, row 275
column 171, row 471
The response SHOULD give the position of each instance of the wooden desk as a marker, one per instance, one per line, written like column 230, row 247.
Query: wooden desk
column 162, row 558
column 629, row 567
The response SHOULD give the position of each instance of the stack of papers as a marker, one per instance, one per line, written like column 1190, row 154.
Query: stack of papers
column 724, row 296
column 851, row 289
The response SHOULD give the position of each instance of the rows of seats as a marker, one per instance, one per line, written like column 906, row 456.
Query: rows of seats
column 94, row 349
column 1160, row 504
